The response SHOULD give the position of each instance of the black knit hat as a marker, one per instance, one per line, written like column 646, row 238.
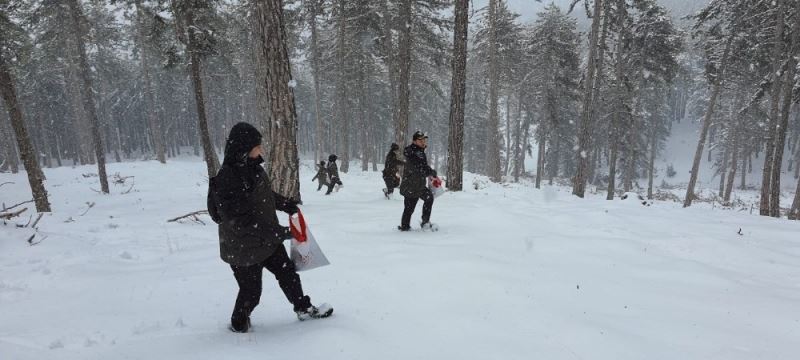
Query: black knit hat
column 332, row 158
column 242, row 138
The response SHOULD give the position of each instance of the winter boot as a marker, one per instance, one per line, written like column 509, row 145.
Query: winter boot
column 314, row 312
column 240, row 326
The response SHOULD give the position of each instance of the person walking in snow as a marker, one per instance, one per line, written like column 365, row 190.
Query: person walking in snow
column 242, row 202
column 333, row 174
column 414, row 186
column 390, row 169
column 322, row 175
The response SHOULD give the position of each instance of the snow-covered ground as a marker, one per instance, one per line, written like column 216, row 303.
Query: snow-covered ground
column 514, row 273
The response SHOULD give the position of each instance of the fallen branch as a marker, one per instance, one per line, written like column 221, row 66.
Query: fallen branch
column 7, row 182
column 119, row 179
column 9, row 215
column 37, row 220
column 15, row 205
column 130, row 188
column 90, row 205
column 192, row 215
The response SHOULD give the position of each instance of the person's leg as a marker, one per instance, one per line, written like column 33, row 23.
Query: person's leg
column 330, row 187
column 427, row 206
column 282, row 267
column 409, row 204
column 249, row 280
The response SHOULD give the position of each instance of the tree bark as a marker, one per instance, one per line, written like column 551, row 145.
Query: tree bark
column 717, row 86
column 315, row 59
column 150, row 113
column 584, row 137
column 783, row 123
column 455, row 144
column 284, row 163
column 10, row 151
column 734, row 150
column 87, row 95
column 493, row 167
column 764, row 207
column 616, row 118
column 26, row 151
column 651, row 163
column 404, row 72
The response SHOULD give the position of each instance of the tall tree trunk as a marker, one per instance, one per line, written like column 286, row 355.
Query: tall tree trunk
column 794, row 211
column 717, row 86
column 783, row 123
column 651, row 163
column 26, row 150
column 284, row 163
column 540, row 162
column 776, row 88
column 10, row 151
column 315, row 59
column 86, row 92
column 508, row 136
column 150, row 104
column 493, row 168
column 455, row 144
column 619, row 107
column 517, row 153
column 404, row 72
column 734, row 150
column 584, row 137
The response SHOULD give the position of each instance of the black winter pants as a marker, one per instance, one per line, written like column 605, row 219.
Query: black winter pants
column 249, row 279
column 391, row 183
column 411, row 203
column 335, row 181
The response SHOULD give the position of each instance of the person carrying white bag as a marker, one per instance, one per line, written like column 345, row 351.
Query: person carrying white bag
column 305, row 251
column 241, row 201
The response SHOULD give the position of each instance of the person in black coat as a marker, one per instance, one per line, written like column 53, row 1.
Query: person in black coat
column 333, row 174
column 322, row 175
column 415, row 186
column 390, row 169
column 242, row 202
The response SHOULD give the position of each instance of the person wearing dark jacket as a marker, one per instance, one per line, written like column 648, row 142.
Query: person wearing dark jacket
column 242, row 202
column 333, row 174
column 414, row 186
column 322, row 175
column 390, row 169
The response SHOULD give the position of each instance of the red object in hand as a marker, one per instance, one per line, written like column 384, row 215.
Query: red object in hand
column 299, row 234
column 436, row 182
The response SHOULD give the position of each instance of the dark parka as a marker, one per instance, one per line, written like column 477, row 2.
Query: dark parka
column 415, row 172
column 391, row 166
column 333, row 169
column 241, row 201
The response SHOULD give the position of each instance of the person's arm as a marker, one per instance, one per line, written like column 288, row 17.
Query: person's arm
column 315, row 177
column 285, row 204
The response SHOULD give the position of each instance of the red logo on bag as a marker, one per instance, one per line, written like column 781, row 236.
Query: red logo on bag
column 299, row 234
column 436, row 182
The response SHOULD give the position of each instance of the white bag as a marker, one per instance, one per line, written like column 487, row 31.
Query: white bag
column 436, row 186
column 305, row 252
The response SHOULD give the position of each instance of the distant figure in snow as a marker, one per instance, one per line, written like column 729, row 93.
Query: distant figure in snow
column 322, row 175
column 390, row 169
column 333, row 174
column 242, row 202
column 414, row 186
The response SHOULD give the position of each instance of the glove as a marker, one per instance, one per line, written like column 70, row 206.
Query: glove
column 285, row 233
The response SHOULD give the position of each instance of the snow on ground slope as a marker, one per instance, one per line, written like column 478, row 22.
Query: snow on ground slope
column 514, row 273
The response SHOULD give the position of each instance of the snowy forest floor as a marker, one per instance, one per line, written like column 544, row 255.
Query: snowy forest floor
column 514, row 272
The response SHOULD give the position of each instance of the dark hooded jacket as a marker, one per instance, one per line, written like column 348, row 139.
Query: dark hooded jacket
column 415, row 172
column 241, row 201
column 333, row 169
column 392, row 163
